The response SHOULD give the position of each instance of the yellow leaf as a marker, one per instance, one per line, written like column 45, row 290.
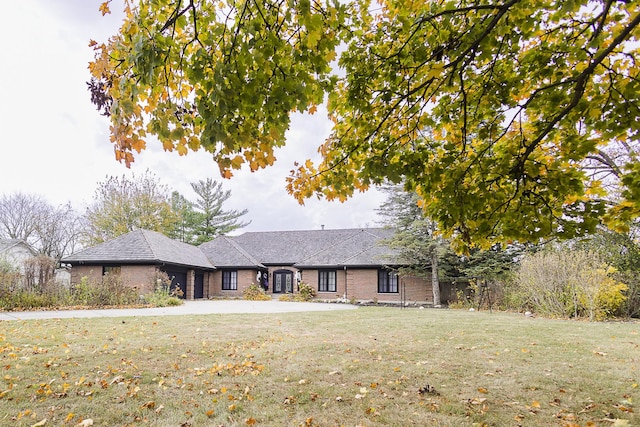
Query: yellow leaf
column 104, row 8
column 251, row 421
column 182, row 149
column 69, row 417
column 232, row 407
column 483, row 390
column 210, row 413
column 167, row 145
column 535, row 404
column 237, row 162
column 40, row 423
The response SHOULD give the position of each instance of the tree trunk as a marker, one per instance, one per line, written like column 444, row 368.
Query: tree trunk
column 435, row 281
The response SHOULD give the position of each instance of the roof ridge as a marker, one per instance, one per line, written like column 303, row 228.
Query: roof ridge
column 143, row 231
column 242, row 251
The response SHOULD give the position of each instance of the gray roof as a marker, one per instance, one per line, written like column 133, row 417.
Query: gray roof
column 364, row 247
column 361, row 247
column 306, row 248
column 142, row 246
column 223, row 251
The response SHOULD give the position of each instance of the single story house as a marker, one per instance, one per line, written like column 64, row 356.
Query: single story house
column 15, row 252
column 339, row 264
column 138, row 257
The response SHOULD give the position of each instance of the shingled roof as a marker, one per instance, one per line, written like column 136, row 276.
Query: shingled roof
column 303, row 248
column 223, row 251
column 364, row 247
column 142, row 247
column 356, row 247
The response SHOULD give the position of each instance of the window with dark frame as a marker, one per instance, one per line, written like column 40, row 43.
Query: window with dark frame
column 229, row 280
column 111, row 270
column 326, row 280
column 387, row 282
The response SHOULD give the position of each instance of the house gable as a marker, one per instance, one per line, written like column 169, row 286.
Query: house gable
column 15, row 252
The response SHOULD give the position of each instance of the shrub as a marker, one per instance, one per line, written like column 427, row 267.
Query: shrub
column 163, row 295
column 110, row 291
column 82, row 293
column 255, row 293
column 569, row 283
column 162, row 298
column 305, row 293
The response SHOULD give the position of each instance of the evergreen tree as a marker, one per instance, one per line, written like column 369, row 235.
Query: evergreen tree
column 416, row 238
column 210, row 219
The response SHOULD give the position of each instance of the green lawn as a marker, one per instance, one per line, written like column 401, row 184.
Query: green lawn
column 366, row 367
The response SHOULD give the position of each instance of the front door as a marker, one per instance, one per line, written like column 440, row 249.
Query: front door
column 282, row 282
column 198, row 286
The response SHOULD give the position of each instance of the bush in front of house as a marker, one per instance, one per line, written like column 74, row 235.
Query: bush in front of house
column 255, row 293
column 162, row 295
column 305, row 293
column 110, row 291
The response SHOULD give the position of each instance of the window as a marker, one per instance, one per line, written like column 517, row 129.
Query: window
column 326, row 281
column 229, row 280
column 110, row 270
column 387, row 282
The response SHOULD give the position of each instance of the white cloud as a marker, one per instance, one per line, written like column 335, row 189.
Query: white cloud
column 56, row 144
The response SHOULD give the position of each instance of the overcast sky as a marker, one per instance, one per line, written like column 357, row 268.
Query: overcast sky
column 54, row 142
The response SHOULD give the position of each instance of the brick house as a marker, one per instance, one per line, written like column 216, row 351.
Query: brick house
column 338, row 264
column 138, row 257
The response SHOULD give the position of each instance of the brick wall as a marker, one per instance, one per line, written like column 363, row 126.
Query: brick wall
column 245, row 279
column 362, row 284
column 138, row 276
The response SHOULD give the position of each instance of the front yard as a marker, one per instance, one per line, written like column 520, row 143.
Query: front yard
column 366, row 367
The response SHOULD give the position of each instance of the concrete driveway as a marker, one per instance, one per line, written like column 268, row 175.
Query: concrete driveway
column 189, row 307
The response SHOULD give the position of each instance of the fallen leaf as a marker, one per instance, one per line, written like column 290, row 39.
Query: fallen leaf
column 149, row 405
column 483, row 390
column 85, row 423
column 251, row 421
column 40, row 423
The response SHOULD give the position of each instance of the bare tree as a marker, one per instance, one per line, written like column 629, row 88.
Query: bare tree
column 51, row 231
column 20, row 215
column 59, row 231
